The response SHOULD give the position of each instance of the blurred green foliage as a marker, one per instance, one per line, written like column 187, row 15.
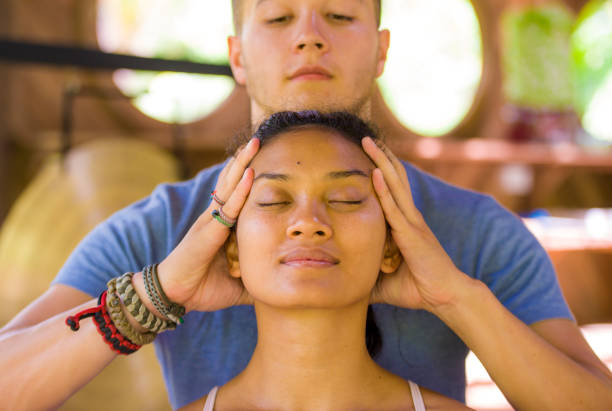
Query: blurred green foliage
column 591, row 51
column 536, row 56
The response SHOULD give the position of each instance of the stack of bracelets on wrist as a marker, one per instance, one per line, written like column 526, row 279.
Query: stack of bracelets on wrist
column 112, row 322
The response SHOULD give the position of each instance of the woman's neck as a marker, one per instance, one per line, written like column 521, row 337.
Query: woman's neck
column 309, row 359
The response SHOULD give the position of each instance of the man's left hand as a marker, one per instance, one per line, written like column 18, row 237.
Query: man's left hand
column 426, row 278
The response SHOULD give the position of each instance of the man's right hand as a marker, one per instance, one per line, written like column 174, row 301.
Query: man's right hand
column 195, row 274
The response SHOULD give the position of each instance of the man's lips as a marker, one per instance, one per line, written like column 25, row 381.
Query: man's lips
column 310, row 73
column 309, row 258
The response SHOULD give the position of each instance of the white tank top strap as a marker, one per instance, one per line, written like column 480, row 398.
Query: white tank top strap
column 210, row 399
column 417, row 398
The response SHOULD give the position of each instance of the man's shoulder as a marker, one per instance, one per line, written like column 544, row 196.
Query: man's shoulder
column 142, row 233
column 176, row 200
column 489, row 242
column 472, row 227
column 202, row 183
column 438, row 199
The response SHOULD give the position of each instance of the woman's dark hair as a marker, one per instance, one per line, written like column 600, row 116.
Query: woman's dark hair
column 347, row 125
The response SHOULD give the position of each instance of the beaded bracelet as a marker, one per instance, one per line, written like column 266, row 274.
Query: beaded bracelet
column 137, row 309
column 155, row 292
column 115, row 340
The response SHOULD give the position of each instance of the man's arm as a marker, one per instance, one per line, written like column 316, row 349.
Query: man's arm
column 565, row 336
column 43, row 361
column 545, row 369
column 546, row 366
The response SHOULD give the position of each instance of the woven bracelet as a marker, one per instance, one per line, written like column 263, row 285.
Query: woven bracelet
column 137, row 309
column 105, row 327
column 152, row 292
column 117, row 315
column 172, row 311
column 176, row 310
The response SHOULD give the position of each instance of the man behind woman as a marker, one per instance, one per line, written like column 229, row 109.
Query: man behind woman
column 471, row 274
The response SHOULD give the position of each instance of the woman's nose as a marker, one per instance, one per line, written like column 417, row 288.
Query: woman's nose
column 309, row 222
column 309, row 35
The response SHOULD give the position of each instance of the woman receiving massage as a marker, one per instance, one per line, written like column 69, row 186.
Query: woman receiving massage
column 301, row 211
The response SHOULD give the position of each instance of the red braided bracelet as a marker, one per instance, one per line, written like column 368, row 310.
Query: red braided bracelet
column 105, row 327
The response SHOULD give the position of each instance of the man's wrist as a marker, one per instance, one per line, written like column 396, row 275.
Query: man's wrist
column 469, row 291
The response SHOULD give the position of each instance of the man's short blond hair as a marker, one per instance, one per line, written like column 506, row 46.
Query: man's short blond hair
column 237, row 11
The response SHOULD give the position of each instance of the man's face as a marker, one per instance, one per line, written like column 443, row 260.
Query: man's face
column 308, row 54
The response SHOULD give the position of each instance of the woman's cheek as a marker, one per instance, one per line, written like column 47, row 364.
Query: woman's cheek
column 253, row 243
column 367, row 229
column 257, row 231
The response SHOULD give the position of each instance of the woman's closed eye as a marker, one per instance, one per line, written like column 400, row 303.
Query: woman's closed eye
column 346, row 201
column 275, row 203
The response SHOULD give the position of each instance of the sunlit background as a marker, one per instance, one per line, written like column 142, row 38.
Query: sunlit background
column 192, row 30
column 447, row 79
column 432, row 76
column 435, row 62
column 592, row 59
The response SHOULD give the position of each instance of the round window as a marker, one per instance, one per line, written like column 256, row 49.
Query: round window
column 192, row 30
column 592, row 60
column 434, row 63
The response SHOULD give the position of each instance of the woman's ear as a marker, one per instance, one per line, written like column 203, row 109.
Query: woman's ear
column 392, row 257
column 231, row 253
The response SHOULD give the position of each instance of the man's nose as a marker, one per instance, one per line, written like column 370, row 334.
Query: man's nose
column 309, row 35
column 309, row 222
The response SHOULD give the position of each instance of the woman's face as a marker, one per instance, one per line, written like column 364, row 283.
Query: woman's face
column 312, row 232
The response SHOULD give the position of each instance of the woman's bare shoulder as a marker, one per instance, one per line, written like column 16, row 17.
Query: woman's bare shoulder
column 436, row 401
column 196, row 405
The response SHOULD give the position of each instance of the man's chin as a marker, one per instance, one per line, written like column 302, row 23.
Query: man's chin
column 323, row 103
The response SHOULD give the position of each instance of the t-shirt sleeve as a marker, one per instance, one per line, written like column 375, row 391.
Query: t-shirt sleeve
column 126, row 241
column 516, row 267
column 140, row 234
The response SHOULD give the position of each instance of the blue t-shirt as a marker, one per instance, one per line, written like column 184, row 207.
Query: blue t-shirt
column 483, row 239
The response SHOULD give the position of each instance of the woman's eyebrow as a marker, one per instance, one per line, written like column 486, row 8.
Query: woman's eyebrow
column 272, row 176
column 331, row 175
column 347, row 173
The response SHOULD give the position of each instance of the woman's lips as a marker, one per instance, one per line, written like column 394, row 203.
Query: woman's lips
column 309, row 263
column 309, row 257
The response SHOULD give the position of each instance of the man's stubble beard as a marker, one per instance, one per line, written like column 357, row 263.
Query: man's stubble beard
column 267, row 104
column 357, row 105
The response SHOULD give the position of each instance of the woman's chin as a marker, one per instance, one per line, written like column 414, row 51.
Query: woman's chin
column 308, row 284
column 308, row 297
